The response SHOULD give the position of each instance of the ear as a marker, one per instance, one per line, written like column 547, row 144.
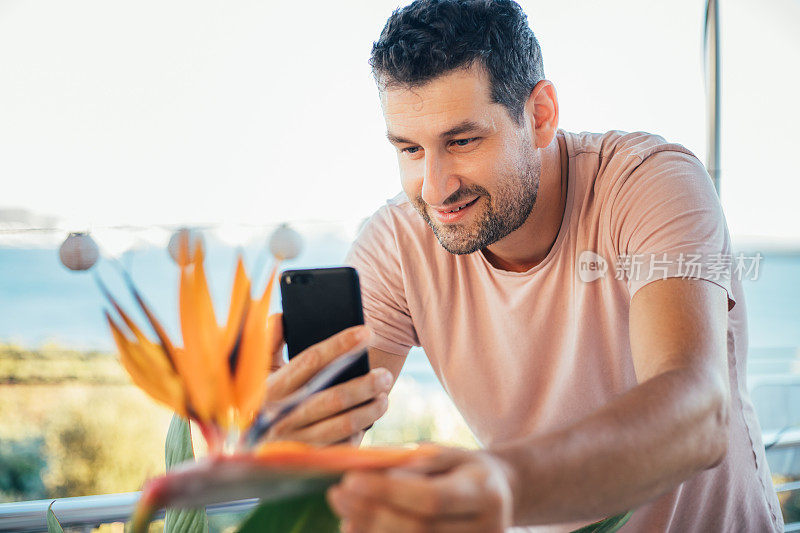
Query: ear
column 541, row 110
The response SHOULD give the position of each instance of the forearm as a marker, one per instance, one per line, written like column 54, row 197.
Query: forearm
column 635, row 448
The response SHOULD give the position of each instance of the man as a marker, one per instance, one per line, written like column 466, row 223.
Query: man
column 545, row 275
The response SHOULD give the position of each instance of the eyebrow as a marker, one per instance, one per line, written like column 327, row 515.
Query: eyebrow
column 458, row 129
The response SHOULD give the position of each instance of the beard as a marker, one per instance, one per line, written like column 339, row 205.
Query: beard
column 502, row 211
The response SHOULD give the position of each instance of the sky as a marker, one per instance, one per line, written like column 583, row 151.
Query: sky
column 154, row 113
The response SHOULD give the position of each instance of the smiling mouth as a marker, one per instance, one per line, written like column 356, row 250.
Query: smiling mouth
column 457, row 209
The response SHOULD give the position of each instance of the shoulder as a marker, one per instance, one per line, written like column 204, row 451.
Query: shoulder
column 393, row 230
column 398, row 209
column 620, row 146
column 395, row 223
column 617, row 163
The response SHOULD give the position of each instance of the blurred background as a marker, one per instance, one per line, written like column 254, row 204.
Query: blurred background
column 130, row 120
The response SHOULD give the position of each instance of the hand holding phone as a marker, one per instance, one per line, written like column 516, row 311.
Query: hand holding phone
column 315, row 311
column 319, row 303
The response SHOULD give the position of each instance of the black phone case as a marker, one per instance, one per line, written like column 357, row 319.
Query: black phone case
column 318, row 303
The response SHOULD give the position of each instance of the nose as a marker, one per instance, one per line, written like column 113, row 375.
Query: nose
column 438, row 182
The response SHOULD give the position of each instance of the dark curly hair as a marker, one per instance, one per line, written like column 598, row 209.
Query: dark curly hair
column 428, row 38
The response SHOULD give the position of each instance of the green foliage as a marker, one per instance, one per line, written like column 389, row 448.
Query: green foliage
column 789, row 500
column 98, row 433
column 424, row 417
column 790, row 504
column 59, row 406
column 53, row 525
column 52, row 364
column 21, row 465
column 70, row 400
column 309, row 513
column 607, row 525
column 177, row 449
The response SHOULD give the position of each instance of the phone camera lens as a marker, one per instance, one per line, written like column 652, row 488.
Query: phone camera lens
column 298, row 279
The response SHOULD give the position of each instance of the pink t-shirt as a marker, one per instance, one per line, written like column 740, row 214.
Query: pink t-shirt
column 524, row 353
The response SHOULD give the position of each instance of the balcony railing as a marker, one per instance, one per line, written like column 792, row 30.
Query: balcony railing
column 91, row 511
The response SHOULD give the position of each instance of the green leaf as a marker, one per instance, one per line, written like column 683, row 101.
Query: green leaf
column 304, row 514
column 607, row 525
column 177, row 449
column 185, row 521
column 53, row 525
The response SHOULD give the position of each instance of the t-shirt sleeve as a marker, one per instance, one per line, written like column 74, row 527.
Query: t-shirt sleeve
column 667, row 221
column 375, row 255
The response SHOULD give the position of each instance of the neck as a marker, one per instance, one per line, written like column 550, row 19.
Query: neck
column 528, row 245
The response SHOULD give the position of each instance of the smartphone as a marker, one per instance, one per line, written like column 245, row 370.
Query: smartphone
column 319, row 303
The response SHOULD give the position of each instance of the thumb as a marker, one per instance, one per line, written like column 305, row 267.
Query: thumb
column 436, row 460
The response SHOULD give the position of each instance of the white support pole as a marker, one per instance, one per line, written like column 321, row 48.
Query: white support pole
column 712, row 72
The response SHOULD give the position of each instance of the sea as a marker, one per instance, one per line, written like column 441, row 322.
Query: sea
column 43, row 303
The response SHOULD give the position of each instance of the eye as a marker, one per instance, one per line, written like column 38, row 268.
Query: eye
column 463, row 143
column 410, row 149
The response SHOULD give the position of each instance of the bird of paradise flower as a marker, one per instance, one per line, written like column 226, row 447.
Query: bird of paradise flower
column 218, row 380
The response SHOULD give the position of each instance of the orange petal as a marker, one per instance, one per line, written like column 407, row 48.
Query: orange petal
column 147, row 369
column 240, row 296
column 335, row 458
column 141, row 338
column 231, row 338
column 161, row 333
column 194, row 362
column 202, row 296
column 253, row 362
column 218, row 373
column 183, row 248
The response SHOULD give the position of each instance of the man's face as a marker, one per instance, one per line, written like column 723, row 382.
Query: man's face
column 459, row 151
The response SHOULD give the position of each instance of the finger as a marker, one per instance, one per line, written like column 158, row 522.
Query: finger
column 275, row 342
column 340, row 398
column 441, row 461
column 367, row 514
column 456, row 495
column 306, row 364
column 391, row 520
column 379, row 518
column 339, row 427
column 363, row 514
column 356, row 439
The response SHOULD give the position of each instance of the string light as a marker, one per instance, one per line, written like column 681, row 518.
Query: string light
column 176, row 227
column 79, row 252
column 285, row 243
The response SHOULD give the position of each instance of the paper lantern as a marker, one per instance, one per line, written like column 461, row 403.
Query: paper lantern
column 79, row 251
column 285, row 243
